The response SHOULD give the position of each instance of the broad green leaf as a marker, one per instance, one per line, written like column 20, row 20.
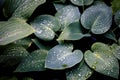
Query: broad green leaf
column 68, row 15
column 102, row 61
column 82, row 2
column 115, row 5
column 33, row 62
column 116, row 50
column 8, row 78
column 12, row 54
column 62, row 57
column 72, row 32
column 81, row 72
column 25, row 42
column 97, row 18
column 110, row 35
column 22, row 8
column 45, row 25
column 117, row 18
column 13, row 30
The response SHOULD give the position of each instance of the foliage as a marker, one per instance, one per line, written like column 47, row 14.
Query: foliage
column 35, row 38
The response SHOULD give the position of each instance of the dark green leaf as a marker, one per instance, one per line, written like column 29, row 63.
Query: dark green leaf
column 82, row 2
column 12, row 54
column 33, row 62
column 21, row 8
column 62, row 57
column 13, row 30
column 72, row 32
column 81, row 72
column 102, row 61
column 45, row 25
column 97, row 18
column 115, row 5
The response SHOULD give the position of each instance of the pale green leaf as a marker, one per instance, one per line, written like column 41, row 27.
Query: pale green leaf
column 13, row 30
column 21, row 8
column 62, row 57
column 72, row 32
column 33, row 62
column 82, row 2
column 80, row 72
column 59, row 6
column 102, row 61
column 68, row 15
column 12, row 54
column 45, row 26
column 97, row 18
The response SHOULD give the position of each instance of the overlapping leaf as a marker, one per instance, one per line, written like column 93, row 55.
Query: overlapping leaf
column 68, row 15
column 72, row 32
column 81, row 72
column 82, row 2
column 117, row 18
column 45, row 26
column 12, row 54
column 33, row 62
column 97, row 18
column 102, row 60
column 62, row 57
column 21, row 8
column 13, row 30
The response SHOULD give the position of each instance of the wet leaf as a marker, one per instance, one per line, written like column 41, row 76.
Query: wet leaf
column 115, row 5
column 117, row 18
column 33, row 62
column 102, row 61
column 68, row 15
column 22, row 8
column 82, row 2
column 13, row 30
column 97, row 18
column 62, row 57
column 72, row 32
column 45, row 26
column 12, row 54
column 81, row 72
column 116, row 50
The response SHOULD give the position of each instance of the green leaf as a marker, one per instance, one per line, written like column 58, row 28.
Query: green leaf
column 115, row 5
column 81, row 72
column 82, row 2
column 68, row 15
column 58, row 1
column 13, row 30
column 25, row 42
column 116, row 50
column 102, row 61
column 33, row 62
column 117, row 18
column 72, row 32
column 62, row 57
column 22, row 8
column 97, row 18
column 12, row 54
column 59, row 6
column 45, row 26
column 119, row 41
column 110, row 35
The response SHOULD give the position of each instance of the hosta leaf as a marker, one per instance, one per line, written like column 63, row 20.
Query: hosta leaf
column 81, row 72
column 21, row 8
column 13, row 30
column 82, row 2
column 97, row 18
column 59, row 6
column 33, row 62
column 116, row 50
column 25, row 42
column 103, row 62
column 12, row 54
column 72, row 32
column 62, row 57
column 115, row 5
column 67, row 15
column 110, row 35
column 45, row 25
column 117, row 18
